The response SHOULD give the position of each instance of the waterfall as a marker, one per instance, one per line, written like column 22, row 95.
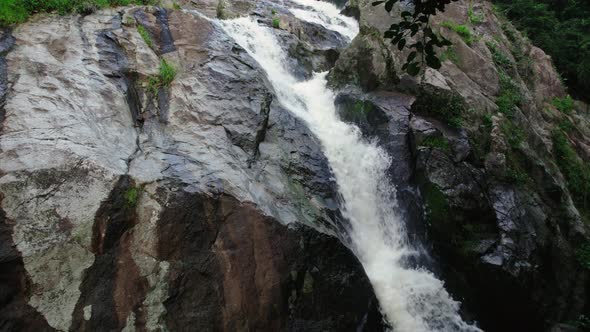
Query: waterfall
column 411, row 299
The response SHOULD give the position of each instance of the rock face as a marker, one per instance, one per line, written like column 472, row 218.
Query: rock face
column 129, row 202
column 499, row 210
column 133, row 204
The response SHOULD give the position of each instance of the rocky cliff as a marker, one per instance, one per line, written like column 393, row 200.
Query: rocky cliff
column 496, row 156
column 130, row 202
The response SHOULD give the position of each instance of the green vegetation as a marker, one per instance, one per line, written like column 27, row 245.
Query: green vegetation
column 273, row 11
column 564, row 105
column 487, row 121
column 362, row 108
column 462, row 30
column 499, row 58
column 436, row 142
column 423, row 48
column 448, row 107
column 449, row 54
column 131, row 196
column 145, row 35
column 220, row 11
column 176, row 6
column 474, row 18
column 510, row 96
column 560, row 28
column 566, row 125
column 582, row 322
column 516, row 176
column 514, row 135
column 583, row 255
column 574, row 169
column 163, row 79
column 276, row 23
column 18, row 11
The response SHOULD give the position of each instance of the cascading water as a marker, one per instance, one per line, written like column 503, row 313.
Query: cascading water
column 411, row 299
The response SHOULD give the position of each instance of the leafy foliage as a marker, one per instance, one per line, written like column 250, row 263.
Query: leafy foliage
column 562, row 29
column 17, row 11
column 575, row 170
column 417, row 24
column 448, row 107
column 564, row 105
column 510, row 95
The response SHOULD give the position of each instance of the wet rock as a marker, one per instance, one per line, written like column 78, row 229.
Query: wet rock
column 366, row 63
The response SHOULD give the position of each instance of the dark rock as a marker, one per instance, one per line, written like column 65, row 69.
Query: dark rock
column 240, row 270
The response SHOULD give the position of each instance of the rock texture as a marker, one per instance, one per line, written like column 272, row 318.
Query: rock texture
column 499, row 213
column 128, row 204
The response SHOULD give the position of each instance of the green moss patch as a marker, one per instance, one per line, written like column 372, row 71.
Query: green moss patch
column 564, row 105
column 132, row 196
column 447, row 107
column 18, row 11
column 436, row 142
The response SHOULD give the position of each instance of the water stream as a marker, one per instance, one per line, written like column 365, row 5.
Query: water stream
column 411, row 299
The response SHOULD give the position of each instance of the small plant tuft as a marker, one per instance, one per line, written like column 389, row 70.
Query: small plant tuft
column 510, row 96
column 499, row 58
column 220, row 11
column 167, row 73
column 474, row 18
column 163, row 79
column 574, row 169
column 564, row 105
column 462, row 30
column 276, row 22
column 145, row 35
column 449, row 54
column 436, row 142
column 448, row 107
column 132, row 196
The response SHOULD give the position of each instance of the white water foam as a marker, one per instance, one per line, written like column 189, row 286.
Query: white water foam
column 411, row 299
column 327, row 15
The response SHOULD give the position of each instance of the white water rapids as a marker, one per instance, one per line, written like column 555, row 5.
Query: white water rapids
column 411, row 299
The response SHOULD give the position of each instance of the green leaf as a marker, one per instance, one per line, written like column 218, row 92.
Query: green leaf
column 389, row 34
column 377, row 3
column 411, row 56
column 433, row 62
column 397, row 38
column 406, row 14
column 413, row 69
column 389, row 5
column 401, row 44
